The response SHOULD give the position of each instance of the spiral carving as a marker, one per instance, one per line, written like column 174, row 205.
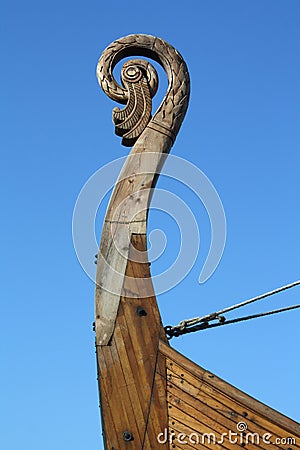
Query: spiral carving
column 131, row 121
column 139, row 85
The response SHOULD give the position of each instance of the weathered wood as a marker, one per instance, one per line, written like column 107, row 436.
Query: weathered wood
column 199, row 401
column 152, row 139
column 149, row 391
column 131, row 370
column 132, row 379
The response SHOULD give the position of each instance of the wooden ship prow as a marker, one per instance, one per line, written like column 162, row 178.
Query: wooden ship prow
column 151, row 396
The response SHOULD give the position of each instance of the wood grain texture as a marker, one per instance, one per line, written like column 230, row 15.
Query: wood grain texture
column 132, row 372
column 147, row 389
column 153, row 138
column 200, row 402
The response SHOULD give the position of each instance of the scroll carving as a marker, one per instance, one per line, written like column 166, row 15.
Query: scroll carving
column 140, row 82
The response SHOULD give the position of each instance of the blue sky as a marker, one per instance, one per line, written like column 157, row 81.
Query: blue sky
column 241, row 130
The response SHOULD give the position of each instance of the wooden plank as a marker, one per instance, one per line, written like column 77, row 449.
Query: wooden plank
column 219, row 403
column 122, row 412
column 200, row 422
column 195, row 424
column 132, row 373
column 158, row 413
column 212, row 384
column 142, row 372
column 127, row 361
column 177, row 427
column 195, row 406
column 109, row 434
column 195, row 418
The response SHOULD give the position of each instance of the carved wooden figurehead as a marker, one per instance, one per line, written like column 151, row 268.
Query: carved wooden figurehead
column 148, row 391
column 152, row 138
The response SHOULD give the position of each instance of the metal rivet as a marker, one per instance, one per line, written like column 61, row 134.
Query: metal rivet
column 127, row 436
column 141, row 311
column 244, row 414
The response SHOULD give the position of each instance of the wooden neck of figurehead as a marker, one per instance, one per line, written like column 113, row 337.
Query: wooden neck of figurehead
column 152, row 139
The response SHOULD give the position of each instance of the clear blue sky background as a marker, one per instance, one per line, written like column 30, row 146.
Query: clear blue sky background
column 242, row 130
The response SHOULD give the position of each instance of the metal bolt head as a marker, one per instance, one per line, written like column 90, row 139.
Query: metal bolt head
column 141, row 311
column 127, row 436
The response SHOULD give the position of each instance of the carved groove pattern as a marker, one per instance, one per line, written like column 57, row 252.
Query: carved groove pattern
column 132, row 120
column 139, row 80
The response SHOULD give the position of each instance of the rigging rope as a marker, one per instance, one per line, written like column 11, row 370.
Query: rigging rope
column 172, row 332
column 202, row 322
